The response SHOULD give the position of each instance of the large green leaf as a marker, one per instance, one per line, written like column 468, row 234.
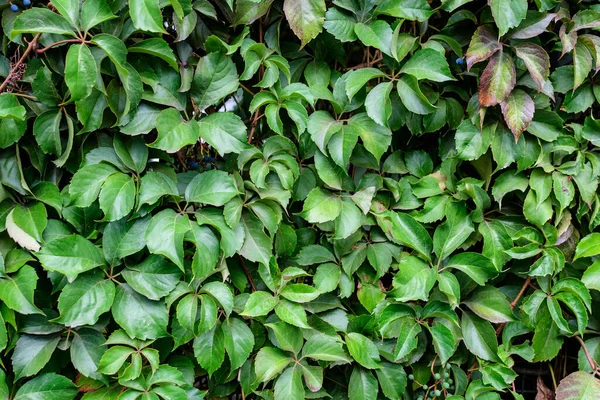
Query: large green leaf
column 16, row 291
column 70, row 255
column 403, row 229
column 32, row 353
column 508, row 13
column 428, row 64
column 85, row 299
column 140, row 317
column 215, row 78
column 165, row 234
column 50, row 385
column 479, row 337
column 42, row 20
column 146, row 15
column 80, row 71
column 211, row 187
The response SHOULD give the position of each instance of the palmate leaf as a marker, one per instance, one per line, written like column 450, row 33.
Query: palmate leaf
column 296, row 199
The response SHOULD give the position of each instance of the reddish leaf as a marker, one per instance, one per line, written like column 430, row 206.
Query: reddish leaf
column 483, row 45
column 518, row 110
column 578, row 386
column 536, row 60
column 497, row 80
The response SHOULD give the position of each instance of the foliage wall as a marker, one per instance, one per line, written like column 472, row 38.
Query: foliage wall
column 291, row 199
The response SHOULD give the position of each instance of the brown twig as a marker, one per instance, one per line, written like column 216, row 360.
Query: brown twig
column 587, row 354
column 253, row 128
column 520, row 294
column 30, row 47
column 366, row 64
column 247, row 274
column 40, row 51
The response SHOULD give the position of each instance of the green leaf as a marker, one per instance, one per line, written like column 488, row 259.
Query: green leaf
column 70, row 256
column 85, row 299
column 450, row 235
column 94, row 12
column 173, row 132
column 305, row 17
column 444, row 341
column 546, row 342
column 146, row 15
column 239, row 341
column 518, row 109
column 490, row 304
column 32, row 353
column 508, row 13
column 40, row 20
column 215, row 78
column 428, row 64
column 483, row 45
column 321, row 206
column 86, row 183
column 289, row 385
column 16, row 291
column 479, row 337
column 589, row 246
column 378, row 104
column 476, row 266
column 86, row 351
column 405, row 230
column 224, row 131
column 257, row 246
column 414, row 280
column 375, row 138
column 412, row 10
column 154, row 277
column 355, row 80
column 50, row 385
column 46, row 130
column 292, row 313
column 117, row 196
column 362, row 385
column 376, row 34
column 140, row 317
column 412, row 97
column 299, row 292
column 209, row 349
column 269, row 362
column 407, row 338
column 259, row 303
column 211, row 187
column 392, row 379
column 80, row 71
column 497, row 80
column 579, row 385
column 363, row 350
column 165, row 234
column 325, row 348
column 158, row 48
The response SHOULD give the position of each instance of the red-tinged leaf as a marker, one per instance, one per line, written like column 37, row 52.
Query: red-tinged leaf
column 578, row 386
column 483, row 45
column 534, row 25
column 592, row 42
column 518, row 110
column 567, row 39
column 497, row 80
column 536, row 60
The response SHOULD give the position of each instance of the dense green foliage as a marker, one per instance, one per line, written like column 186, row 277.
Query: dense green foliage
column 291, row 199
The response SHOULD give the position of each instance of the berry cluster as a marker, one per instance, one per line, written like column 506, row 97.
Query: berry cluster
column 442, row 384
column 15, row 8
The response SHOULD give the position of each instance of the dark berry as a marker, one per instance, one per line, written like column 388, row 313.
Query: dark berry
column 460, row 61
column 14, row 7
column 26, row 3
